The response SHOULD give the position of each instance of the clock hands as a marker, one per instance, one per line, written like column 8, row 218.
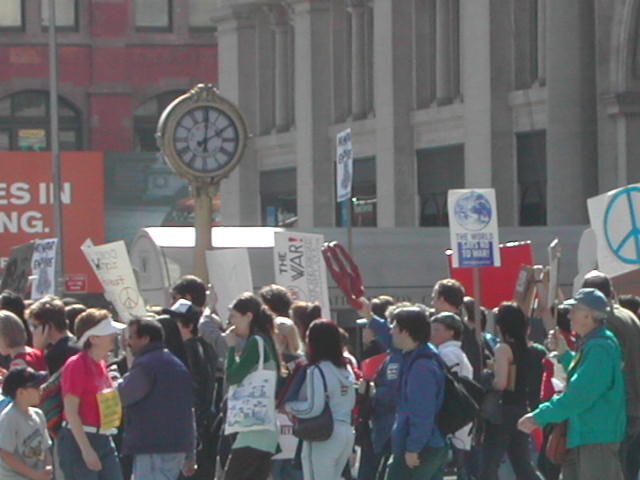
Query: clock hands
column 203, row 144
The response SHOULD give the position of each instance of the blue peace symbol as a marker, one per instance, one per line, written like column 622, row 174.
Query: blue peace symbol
column 634, row 233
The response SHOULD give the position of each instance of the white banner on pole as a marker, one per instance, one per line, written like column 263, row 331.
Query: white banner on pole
column 344, row 165
column 473, row 226
column 230, row 275
column 299, row 267
column 615, row 219
column 112, row 266
column 43, row 267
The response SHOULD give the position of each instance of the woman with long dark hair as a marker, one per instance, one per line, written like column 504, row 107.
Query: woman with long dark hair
column 252, row 322
column 329, row 378
column 511, row 378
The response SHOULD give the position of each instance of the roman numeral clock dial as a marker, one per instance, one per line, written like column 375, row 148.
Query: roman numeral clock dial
column 202, row 134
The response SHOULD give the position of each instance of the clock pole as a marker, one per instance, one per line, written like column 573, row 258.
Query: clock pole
column 203, row 194
column 199, row 150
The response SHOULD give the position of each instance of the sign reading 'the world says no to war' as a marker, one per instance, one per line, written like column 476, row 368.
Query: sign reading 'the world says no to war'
column 473, row 226
column 299, row 267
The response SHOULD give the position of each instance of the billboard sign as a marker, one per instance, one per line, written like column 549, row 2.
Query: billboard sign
column 26, row 204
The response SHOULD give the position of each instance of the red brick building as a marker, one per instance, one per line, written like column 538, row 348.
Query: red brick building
column 120, row 62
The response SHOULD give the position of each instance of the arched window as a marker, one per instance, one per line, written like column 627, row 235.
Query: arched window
column 25, row 123
column 145, row 120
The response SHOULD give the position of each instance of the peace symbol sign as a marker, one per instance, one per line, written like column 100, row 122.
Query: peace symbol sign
column 128, row 298
column 622, row 225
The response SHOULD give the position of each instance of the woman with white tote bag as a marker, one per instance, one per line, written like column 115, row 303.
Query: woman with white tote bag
column 252, row 382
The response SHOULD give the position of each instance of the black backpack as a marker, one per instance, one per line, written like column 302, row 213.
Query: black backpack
column 462, row 398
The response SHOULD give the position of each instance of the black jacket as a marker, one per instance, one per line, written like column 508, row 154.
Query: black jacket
column 201, row 361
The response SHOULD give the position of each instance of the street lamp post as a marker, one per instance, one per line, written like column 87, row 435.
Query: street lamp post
column 55, row 146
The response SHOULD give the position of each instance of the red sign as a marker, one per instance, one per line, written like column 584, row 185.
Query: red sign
column 75, row 283
column 26, row 205
column 497, row 283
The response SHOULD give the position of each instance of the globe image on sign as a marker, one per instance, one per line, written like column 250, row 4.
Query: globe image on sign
column 473, row 211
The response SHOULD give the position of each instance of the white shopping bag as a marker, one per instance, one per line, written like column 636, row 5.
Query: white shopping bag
column 251, row 404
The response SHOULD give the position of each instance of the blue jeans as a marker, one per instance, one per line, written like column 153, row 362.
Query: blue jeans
column 159, row 466
column 72, row 463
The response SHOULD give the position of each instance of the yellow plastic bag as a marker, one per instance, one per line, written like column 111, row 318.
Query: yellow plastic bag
column 110, row 409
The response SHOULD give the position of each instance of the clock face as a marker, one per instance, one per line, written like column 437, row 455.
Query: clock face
column 206, row 139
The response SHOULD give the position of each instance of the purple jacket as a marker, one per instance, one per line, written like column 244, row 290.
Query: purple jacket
column 157, row 396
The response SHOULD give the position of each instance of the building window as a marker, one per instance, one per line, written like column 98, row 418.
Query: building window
column 278, row 197
column 364, row 208
column 145, row 120
column 525, row 19
column 66, row 14
column 24, row 123
column 532, row 178
column 153, row 14
column 12, row 14
column 439, row 170
column 201, row 14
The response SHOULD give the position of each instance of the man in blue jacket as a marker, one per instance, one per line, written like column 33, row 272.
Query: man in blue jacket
column 159, row 428
column 419, row 451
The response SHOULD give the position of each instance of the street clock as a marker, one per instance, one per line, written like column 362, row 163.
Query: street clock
column 202, row 135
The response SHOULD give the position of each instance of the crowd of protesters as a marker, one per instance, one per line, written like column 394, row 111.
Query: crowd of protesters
column 180, row 393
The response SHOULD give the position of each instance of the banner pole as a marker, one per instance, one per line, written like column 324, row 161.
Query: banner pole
column 477, row 314
column 55, row 148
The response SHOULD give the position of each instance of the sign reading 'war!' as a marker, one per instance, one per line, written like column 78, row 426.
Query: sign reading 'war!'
column 112, row 266
column 300, row 268
column 473, row 226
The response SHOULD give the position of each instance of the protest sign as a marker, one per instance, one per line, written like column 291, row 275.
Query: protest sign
column 299, row 267
column 112, row 266
column 497, row 282
column 615, row 221
column 230, row 275
column 43, row 267
column 554, row 263
column 287, row 440
column 473, row 226
column 344, row 165
column 18, row 270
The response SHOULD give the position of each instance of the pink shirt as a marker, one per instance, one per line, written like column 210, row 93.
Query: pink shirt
column 84, row 378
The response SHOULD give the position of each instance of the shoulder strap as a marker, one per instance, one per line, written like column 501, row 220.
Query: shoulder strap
column 260, row 351
column 324, row 381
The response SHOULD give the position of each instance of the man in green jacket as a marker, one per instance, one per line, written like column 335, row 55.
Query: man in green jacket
column 594, row 400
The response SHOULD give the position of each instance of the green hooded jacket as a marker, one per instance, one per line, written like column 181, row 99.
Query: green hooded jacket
column 594, row 402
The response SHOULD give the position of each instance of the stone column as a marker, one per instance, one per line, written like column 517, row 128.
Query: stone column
column 443, row 52
column 358, row 59
column 281, row 29
column 424, row 51
column 237, row 65
column 542, row 41
column 315, row 169
column 571, row 106
column 489, row 148
column 396, row 159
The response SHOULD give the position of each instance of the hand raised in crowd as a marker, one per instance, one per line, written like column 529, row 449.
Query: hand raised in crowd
column 189, row 468
column 230, row 337
column 412, row 459
column 91, row 460
column 46, row 474
column 365, row 310
column 556, row 342
column 40, row 336
column 527, row 423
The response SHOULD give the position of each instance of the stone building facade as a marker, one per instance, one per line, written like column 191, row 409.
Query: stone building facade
column 536, row 98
